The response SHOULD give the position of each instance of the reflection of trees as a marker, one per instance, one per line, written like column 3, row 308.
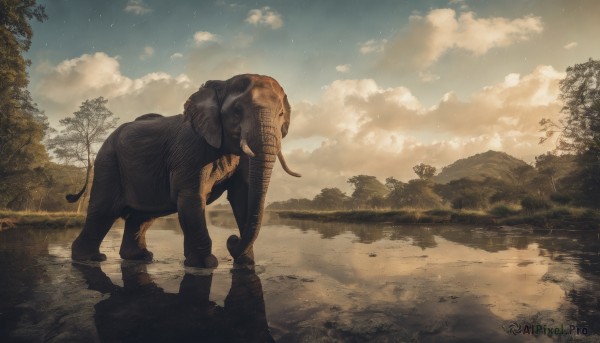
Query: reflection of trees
column 142, row 311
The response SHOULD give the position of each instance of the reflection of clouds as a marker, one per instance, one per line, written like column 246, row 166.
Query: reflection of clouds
column 334, row 278
column 501, row 279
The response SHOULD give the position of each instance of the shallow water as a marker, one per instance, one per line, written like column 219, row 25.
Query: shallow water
column 313, row 282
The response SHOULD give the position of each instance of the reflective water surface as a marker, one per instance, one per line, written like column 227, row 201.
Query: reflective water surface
column 324, row 282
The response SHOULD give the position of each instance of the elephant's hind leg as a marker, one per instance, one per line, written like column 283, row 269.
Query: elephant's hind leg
column 87, row 245
column 133, row 246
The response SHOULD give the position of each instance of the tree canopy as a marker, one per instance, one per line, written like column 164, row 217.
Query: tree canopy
column 22, row 125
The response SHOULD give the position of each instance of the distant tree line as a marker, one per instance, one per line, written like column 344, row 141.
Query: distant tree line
column 551, row 181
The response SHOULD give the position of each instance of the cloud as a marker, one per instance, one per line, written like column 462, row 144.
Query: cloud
column 372, row 45
column 202, row 37
column 428, row 38
column 148, row 52
column 176, row 56
column 364, row 128
column 570, row 45
column 137, row 7
column 343, row 68
column 63, row 87
column 265, row 17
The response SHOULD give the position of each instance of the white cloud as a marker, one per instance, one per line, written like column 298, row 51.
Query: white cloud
column 202, row 37
column 265, row 17
column 137, row 7
column 147, row 53
column 368, row 129
column 570, row 45
column 63, row 87
column 427, row 38
column 372, row 45
column 343, row 68
column 176, row 56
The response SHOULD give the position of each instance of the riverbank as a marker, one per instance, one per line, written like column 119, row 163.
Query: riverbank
column 12, row 219
column 553, row 218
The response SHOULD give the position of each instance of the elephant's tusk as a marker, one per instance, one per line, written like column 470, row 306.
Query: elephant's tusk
column 246, row 148
column 284, row 165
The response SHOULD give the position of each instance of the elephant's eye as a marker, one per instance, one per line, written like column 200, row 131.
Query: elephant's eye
column 281, row 114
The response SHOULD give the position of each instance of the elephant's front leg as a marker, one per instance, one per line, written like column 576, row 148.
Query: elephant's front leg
column 237, row 194
column 197, row 244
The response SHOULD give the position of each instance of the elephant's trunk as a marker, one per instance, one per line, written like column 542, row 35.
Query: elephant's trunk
column 265, row 142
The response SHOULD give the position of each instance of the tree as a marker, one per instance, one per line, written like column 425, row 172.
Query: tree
column 424, row 171
column 21, row 123
column 579, row 127
column 79, row 140
column 397, row 189
column 366, row 187
column 330, row 199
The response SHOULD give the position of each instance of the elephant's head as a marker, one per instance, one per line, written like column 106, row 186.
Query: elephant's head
column 247, row 114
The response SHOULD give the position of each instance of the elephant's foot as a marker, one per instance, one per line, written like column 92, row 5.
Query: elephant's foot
column 86, row 252
column 194, row 260
column 139, row 254
column 246, row 260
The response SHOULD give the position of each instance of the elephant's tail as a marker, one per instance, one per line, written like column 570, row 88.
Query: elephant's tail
column 75, row 197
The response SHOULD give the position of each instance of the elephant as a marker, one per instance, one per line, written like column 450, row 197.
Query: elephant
column 227, row 139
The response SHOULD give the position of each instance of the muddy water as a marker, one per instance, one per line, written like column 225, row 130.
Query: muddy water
column 313, row 282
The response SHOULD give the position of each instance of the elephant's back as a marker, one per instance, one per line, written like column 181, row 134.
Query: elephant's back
column 142, row 149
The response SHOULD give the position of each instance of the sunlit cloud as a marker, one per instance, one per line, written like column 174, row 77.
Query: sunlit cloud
column 65, row 85
column 570, row 45
column 137, row 7
column 176, row 56
column 265, row 17
column 372, row 45
column 343, row 68
column 429, row 37
column 202, row 37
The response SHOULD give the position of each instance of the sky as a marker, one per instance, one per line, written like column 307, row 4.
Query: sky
column 376, row 87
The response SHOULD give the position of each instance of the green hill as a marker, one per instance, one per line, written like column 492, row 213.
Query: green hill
column 495, row 164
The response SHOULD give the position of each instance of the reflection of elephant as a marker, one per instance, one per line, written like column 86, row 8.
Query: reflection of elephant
column 227, row 139
column 140, row 311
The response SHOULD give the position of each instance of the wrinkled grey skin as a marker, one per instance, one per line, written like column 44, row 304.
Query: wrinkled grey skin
column 226, row 140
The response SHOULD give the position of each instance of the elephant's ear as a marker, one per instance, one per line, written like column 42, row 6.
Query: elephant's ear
column 287, row 111
column 203, row 111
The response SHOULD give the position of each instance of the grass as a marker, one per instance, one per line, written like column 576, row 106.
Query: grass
column 12, row 219
column 498, row 215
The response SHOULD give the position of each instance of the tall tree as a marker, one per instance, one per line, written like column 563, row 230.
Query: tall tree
column 22, row 125
column 330, row 199
column 366, row 188
column 579, row 127
column 424, row 171
column 82, row 134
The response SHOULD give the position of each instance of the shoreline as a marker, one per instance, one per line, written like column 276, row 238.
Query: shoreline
column 586, row 219
column 50, row 220
column 554, row 218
